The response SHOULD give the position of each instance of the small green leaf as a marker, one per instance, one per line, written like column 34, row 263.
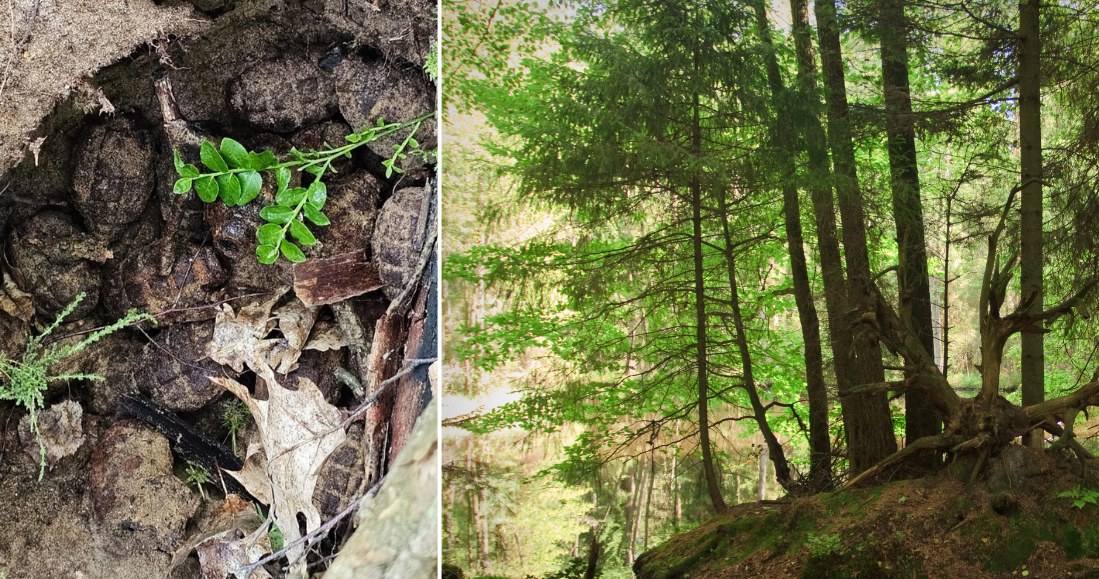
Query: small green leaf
column 413, row 143
column 262, row 161
column 206, row 188
column 189, row 171
column 315, row 216
column 211, row 158
column 230, row 189
column 178, row 162
column 318, row 194
column 234, row 153
column 353, row 138
column 292, row 252
column 290, row 197
column 276, row 214
column 269, row 234
column 314, row 170
column 282, row 178
column 250, row 185
column 301, row 232
column 267, row 253
column 182, row 186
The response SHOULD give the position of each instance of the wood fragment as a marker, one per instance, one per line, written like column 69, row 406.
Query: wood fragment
column 319, row 282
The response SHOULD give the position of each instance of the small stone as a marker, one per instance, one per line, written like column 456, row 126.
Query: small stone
column 135, row 496
column 114, row 176
column 368, row 92
column 135, row 283
column 398, row 236
column 352, row 207
column 283, row 95
column 60, row 429
column 175, row 371
column 53, row 261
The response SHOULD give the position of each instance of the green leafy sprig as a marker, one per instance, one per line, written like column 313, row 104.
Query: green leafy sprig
column 235, row 176
column 25, row 381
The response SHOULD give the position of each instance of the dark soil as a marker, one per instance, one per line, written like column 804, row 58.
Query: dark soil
column 1011, row 523
column 93, row 212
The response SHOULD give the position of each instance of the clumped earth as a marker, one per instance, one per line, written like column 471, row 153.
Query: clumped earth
column 1012, row 523
column 90, row 209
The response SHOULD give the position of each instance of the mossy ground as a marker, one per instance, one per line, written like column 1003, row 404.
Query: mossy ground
column 931, row 527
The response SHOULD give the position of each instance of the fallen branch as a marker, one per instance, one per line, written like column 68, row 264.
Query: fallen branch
column 939, row 442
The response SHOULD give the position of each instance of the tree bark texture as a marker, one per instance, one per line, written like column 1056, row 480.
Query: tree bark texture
column 922, row 419
column 820, row 450
column 1030, row 145
column 866, row 416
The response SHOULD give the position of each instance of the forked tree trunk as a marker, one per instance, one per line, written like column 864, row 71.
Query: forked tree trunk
column 922, row 419
column 866, row 416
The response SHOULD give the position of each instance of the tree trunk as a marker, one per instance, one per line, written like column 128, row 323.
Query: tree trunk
column 649, row 498
column 922, row 419
column 763, row 459
column 865, row 416
column 820, row 451
column 700, row 308
column 782, row 468
column 1030, row 145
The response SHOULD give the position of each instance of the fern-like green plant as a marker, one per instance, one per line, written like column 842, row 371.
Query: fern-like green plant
column 234, row 417
column 1081, row 497
column 25, row 381
column 197, row 476
column 235, row 176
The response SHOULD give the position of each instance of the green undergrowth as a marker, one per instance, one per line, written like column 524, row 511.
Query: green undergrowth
column 902, row 529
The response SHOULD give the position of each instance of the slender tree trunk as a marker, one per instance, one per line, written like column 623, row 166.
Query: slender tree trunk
column 946, row 288
column 866, row 417
column 820, row 450
column 700, row 308
column 1030, row 141
column 677, row 507
column 774, row 448
column 649, row 498
column 922, row 419
column 763, row 460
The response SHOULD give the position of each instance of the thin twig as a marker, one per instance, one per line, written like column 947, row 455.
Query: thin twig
column 321, row 530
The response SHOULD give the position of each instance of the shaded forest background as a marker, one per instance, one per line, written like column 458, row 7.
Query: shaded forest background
column 706, row 253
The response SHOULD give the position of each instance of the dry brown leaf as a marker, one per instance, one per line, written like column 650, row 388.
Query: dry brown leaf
column 240, row 338
column 253, row 475
column 232, row 521
column 295, row 321
column 326, row 336
column 16, row 302
column 230, row 552
column 298, row 429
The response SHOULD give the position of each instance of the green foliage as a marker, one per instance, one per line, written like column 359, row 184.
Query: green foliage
column 234, row 416
column 24, row 381
column 197, row 476
column 431, row 65
column 1081, row 497
column 822, row 546
column 235, row 177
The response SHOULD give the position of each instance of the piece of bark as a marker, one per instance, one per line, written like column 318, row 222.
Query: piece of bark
column 319, row 282
column 398, row 529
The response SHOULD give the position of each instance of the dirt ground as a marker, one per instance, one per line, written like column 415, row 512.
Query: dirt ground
column 1011, row 523
column 87, row 207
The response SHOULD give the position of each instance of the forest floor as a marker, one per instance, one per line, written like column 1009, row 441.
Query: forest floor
column 1013, row 522
column 239, row 363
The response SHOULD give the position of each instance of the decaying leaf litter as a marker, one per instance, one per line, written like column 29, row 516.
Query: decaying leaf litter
column 330, row 357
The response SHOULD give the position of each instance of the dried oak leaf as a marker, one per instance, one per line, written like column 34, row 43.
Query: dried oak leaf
column 240, row 338
column 298, row 430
